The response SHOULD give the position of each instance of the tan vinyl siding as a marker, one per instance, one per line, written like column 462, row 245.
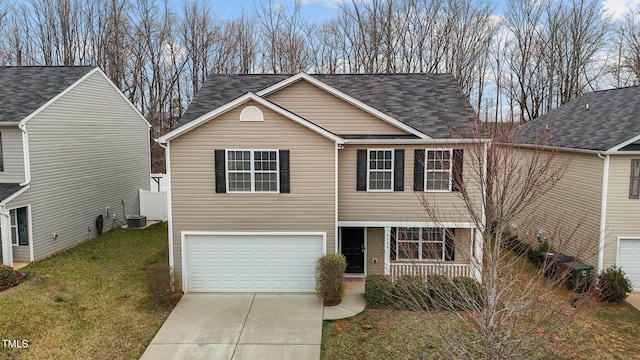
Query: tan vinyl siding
column 570, row 213
column 623, row 214
column 330, row 112
column 88, row 151
column 12, row 155
column 398, row 206
column 309, row 207
column 375, row 250
column 463, row 248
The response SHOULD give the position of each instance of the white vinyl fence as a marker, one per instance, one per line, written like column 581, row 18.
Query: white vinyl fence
column 154, row 203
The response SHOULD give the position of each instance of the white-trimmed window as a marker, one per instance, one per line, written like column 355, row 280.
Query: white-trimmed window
column 19, row 226
column 420, row 243
column 252, row 171
column 380, row 169
column 437, row 175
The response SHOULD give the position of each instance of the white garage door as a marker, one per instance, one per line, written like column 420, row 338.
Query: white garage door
column 251, row 262
column 629, row 260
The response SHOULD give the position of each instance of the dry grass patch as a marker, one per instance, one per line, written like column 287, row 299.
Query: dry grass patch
column 90, row 302
column 597, row 331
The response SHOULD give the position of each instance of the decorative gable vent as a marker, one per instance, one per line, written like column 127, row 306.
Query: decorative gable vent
column 251, row 113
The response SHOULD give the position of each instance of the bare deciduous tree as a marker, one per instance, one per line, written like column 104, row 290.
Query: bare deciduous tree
column 513, row 310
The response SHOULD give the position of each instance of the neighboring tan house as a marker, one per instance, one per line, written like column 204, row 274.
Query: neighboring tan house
column 73, row 149
column 269, row 172
column 596, row 204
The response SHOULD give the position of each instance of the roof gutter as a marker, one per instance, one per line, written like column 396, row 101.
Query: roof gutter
column 603, row 210
column 415, row 141
column 577, row 150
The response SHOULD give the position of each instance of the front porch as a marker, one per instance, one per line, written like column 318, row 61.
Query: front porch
column 397, row 269
column 419, row 249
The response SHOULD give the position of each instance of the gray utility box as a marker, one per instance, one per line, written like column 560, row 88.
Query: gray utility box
column 579, row 277
column 136, row 221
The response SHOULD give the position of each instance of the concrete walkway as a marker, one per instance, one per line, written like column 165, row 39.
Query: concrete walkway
column 241, row 326
column 634, row 299
column 352, row 302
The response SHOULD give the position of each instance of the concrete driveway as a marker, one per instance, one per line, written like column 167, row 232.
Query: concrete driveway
column 241, row 326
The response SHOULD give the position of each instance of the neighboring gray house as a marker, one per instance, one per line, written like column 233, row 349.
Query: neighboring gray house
column 595, row 208
column 73, row 150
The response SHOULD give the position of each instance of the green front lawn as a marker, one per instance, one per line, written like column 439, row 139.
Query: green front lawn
column 90, row 302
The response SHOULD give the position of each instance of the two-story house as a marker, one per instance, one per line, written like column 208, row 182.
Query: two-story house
column 74, row 153
column 269, row 172
column 594, row 210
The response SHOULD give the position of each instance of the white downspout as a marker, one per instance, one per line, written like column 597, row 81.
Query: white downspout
column 5, row 228
column 167, row 157
column 25, row 153
column 335, row 210
column 603, row 210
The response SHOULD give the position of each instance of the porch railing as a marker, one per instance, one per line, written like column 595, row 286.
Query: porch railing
column 424, row 269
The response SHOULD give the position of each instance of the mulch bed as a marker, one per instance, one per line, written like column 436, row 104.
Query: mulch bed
column 19, row 275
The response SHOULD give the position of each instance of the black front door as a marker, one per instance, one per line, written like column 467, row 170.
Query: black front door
column 353, row 249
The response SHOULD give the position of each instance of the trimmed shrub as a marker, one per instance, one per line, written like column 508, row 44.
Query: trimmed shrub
column 330, row 277
column 468, row 293
column 8, row 276
column 441, row 292
column 460, row 293
column 411, row 292
column 518, row 247
column 613, row 285
column 535, row 255
column 378, row 291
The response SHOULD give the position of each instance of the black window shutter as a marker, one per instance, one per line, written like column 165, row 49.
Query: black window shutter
column 221, row 182
column 1, row 157
column 285, row 188
column 392, row 252
column 634, row 187
column 418, row 170
column 458, row 160
column 449, row 245
column 23, row 233
column 398, row 170
column 361, row 176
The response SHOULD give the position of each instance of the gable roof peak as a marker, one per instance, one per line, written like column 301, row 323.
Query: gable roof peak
column 427, row 105
column 22, row 91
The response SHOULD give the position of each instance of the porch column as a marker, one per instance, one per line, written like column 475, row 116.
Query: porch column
column 476, row 260
column 5, row 229
column 387, row 251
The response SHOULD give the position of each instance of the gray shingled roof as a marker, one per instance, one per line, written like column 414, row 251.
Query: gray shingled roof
column 431, row 103
column 8, row 189
column 23, row 89
column 613, row 117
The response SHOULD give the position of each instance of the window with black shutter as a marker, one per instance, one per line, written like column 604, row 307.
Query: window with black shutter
column 634, row 186
column 438, row 170
column 254, row 171
column 380, row 170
